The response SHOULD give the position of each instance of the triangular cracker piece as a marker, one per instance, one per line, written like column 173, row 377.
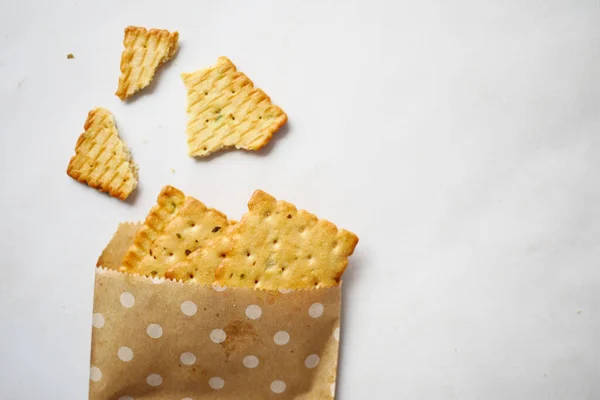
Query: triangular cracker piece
column 225, row 110
column 275, row 246
column 175, row 227
column 102, row 160
column 144, row 52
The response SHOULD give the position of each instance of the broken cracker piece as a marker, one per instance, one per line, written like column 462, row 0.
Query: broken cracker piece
column 225, row 110
column 145, row 50
column 102, row 160
column 276, row 246
column 174, row 228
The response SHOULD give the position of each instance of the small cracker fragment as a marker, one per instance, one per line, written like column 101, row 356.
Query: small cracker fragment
column 70, row 56
column 275, row 246
column 226, row 110
column 174, row 228
column 145, row 50
column 102, row 160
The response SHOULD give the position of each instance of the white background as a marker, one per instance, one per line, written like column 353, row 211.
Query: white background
column 460, row 140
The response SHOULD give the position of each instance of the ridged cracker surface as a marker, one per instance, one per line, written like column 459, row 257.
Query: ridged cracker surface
column 226, row 110
column 174, row 228
column 145, row 50
column 276, row 246
column 102, row 160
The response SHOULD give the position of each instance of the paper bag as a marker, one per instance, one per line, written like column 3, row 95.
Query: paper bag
column 161, row 339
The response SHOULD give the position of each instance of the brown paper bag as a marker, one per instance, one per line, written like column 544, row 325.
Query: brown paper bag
column 159, row 339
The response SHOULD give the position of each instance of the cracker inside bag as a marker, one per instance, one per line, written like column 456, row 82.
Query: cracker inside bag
column 203, row 331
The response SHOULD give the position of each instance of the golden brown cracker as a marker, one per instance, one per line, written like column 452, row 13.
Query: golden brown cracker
column 145, row 50
column 201, row 264
column 276, row 246
column 226, row 110
column 174, row 228
column 102, row 160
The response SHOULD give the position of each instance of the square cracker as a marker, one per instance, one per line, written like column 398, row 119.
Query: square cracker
column 276, row 246
column 145, row 50
column 226, row 110
column 174, row 228
column 102, row 160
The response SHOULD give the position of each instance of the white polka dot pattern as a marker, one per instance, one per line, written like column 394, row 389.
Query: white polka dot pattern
column 281, row 338
column 189, row 308
column 95, row 373
column 218, row 288
column 154, row 331
column 218, row 335
column 235, row 338
column 187, row 358
column 253, row 311
column 125, row 354
column 278, row 386
column 250, row 361
column 127, row 300
column 316, row 310
column 97, row 320
column 154, row 380
column 216, row 382
column 312, row 361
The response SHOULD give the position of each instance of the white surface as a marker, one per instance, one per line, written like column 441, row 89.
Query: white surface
column 460, row 141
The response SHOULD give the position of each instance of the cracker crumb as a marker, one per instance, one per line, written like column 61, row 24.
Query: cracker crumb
column 70, row 56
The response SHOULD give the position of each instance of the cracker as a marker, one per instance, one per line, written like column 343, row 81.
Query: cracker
column 145, row 50
column 174, row 228
column 225, row 110
column 200, row 266
column 276, row 246
column 102, row 160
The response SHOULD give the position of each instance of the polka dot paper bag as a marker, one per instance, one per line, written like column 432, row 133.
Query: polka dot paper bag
column 160, row 339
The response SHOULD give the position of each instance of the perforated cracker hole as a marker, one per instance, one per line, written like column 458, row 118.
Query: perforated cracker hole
column 256, row 281
column 192, row 224
column 289, row 216
column 247, row 254
column 170, row 254
column 274, row 241
column 187, row 252
column 222, row 255
column 242, row 276
column 216, row 229
column 205, row 93
column 232, row 117
column 301, row 229
column 178, row 235
column 153, row 273
column 206, row 121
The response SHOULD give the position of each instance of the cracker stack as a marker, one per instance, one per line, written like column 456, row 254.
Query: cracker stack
column 274, row 246
column 102, row 160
